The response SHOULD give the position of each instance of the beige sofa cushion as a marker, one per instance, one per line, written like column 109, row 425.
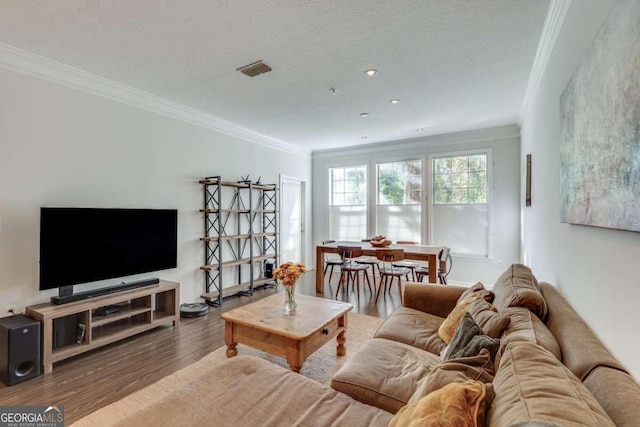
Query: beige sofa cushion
column 474, row 368
column 460, row 404
column 384, row 373
column 531, row 385
column 248, row 391
column 525, row 326
column 618, row 394
column 430, row 298
column 413, row 327
column 582, row 351
column 518, row 287
column 487, row 317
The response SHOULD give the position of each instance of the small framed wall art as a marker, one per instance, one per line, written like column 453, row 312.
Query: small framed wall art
column 527, row 196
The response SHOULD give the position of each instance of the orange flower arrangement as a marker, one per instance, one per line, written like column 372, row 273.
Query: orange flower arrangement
column 288, row 273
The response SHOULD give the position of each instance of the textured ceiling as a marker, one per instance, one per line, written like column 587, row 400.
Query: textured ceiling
column 455, row 64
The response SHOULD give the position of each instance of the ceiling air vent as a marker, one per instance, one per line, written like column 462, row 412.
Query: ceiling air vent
column 254, row 69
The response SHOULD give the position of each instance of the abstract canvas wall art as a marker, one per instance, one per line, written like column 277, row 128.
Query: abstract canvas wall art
column 600, row 128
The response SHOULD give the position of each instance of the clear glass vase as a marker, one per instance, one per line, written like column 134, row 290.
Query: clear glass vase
column 290, row 299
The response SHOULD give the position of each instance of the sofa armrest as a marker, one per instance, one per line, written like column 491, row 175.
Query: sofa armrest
column 434, row 299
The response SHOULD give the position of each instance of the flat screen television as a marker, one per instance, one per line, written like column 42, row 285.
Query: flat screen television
column 82, row 245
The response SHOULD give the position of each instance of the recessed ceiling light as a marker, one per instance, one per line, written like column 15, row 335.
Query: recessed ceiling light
column 363, row 137
column 395, row 101
column 364, row 114
column 371, row 72
column 419, row 130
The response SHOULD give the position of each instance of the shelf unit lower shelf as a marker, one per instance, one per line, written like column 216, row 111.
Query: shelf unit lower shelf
column 141, row 309
column 240, row 288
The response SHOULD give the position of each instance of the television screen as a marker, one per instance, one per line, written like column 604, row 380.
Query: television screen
column 81, row 245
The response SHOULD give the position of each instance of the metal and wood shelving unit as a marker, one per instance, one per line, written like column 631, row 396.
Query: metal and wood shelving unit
column 240, row 238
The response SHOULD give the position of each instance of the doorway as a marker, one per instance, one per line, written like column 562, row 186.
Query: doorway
column 292, row 219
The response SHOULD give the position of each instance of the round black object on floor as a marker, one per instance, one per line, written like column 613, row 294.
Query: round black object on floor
column 194, row 309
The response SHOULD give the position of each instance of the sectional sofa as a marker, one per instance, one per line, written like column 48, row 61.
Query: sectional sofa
column 515, row 355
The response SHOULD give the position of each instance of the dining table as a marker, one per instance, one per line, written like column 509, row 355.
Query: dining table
column 414, row 252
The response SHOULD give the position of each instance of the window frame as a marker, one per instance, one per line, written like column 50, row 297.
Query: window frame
column 489, row 200
column 329, row 190
column 466, row 191
column 421, row 157
column 377, row 163
column 331, row 182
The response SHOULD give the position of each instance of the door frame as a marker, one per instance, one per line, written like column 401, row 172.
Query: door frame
column 303, row 214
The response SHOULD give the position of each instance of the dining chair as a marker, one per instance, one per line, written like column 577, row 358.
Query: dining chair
column 445, row 262
column 388, row 272
column 330, row 260
column 369, row 261
column 407, row 264
column 350, row 270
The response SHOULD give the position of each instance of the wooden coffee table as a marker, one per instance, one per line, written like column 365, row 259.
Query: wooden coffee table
column 265, row 326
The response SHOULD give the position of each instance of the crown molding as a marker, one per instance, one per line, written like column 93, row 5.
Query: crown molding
column 419, row 143
column 552, row 26
column 27, row 63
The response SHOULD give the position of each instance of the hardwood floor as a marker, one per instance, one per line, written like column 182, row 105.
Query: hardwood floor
column 95, row 379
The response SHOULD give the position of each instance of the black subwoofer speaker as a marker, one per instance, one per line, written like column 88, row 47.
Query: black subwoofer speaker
column 268, row 269
column 19, row 349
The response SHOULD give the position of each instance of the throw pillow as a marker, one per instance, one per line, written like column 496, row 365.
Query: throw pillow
column 466, row 330
column 478, row 287
column 448, row 327
column 469, row 340
column 487, row 317
column 456, row 404
column 475, row 368
column 476, row 344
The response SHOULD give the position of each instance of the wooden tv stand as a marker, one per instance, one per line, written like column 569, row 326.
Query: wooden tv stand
column 141, row 309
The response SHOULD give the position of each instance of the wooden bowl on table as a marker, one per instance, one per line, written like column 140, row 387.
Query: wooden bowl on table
column 380, row 243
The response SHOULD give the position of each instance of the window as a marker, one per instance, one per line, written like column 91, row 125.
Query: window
column 348, row 203
column 460, row 179
column 460, row 203
column 399, row 200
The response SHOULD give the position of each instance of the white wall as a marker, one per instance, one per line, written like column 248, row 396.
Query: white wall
column 596, row 269
column 64, row 147
column 505, row 146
